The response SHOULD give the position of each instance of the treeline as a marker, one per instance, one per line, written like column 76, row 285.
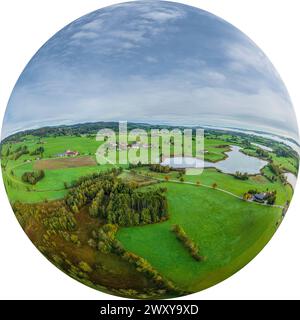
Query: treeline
column 187, row 242
column 285, row 152
column 262, row 153
column 106, row 242
column 274, row 168
column 135, row 165
column 33, row 177
column 19, row 152
column 277, row 171
column 159, row 168
column 73, row 130
column 241, row 176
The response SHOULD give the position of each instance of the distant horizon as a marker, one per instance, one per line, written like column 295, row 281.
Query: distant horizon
column 208, row 126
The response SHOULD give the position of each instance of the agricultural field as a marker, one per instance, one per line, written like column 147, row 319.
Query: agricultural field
column 111, row 226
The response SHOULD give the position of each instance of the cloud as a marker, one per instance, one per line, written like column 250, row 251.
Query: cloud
column 163, row 16
column 151, row 61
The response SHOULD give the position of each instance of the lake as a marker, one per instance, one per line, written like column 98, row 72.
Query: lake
column 236, row 161
column 291, row 179
column 270, row 136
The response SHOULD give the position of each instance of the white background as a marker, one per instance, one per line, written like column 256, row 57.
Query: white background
column 26, row 25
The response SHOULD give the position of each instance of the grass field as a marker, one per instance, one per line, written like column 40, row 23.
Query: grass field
column 228, row 231
column 286, row 164
column 229, row 183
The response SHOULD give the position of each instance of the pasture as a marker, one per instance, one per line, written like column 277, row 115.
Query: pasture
column 228, row 231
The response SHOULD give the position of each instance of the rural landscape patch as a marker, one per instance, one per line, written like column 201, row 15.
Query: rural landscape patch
column 169, row 223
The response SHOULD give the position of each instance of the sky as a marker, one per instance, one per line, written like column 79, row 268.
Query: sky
column 151, row 61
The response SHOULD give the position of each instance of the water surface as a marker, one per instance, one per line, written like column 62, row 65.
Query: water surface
column 235, row 161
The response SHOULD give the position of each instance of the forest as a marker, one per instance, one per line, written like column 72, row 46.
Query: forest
column 117, row 202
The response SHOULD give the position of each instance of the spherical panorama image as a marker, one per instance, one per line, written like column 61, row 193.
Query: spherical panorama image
column 149, row 150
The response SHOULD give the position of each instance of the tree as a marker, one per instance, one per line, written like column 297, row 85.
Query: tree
column 84, row 266
column 247, row 196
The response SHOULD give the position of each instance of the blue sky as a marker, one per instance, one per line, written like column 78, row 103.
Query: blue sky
column 151, row 61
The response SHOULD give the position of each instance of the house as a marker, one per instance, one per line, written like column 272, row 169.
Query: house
column 259, row 197
column 70, row 153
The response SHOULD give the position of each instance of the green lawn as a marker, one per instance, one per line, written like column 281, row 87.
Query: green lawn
column 229, row 183
column 51, row 187
column 228, row 231
column 287, row 164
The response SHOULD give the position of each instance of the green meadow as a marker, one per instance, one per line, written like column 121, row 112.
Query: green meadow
column 227, row 230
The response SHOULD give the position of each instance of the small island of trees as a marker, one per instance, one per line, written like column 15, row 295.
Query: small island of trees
column 33, row 177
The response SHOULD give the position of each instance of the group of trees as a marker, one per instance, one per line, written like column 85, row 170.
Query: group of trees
column 60, row 220
column 104, row 238
column 282, row 151
column 85, row 189
column 37, row 151
column 262, row 153
column 135, row 165
column 277, row 171
column 33, row 177
column 117, row 202
column 105, row 241
column 121, row 204
column 241, row 176
column 187, row 242
column 159, row 168
column 274, row 168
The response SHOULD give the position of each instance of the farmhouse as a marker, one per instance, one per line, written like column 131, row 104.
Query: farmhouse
column 259, row 197
column 68, row 153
